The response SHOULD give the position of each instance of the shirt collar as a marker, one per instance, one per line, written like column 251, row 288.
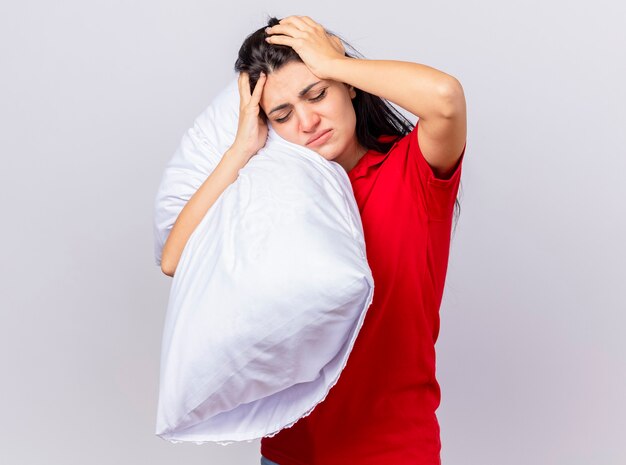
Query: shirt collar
column 370, row 159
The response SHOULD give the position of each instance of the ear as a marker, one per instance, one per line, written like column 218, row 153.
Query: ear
column 351, row 90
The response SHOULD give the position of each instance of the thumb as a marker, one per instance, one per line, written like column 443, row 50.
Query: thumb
column 337, row 42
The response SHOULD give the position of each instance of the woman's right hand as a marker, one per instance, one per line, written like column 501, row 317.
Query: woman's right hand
column 252, row 130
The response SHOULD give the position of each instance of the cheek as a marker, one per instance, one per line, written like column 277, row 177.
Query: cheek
column 343, row 110
column 286, row 132
column 344, row 117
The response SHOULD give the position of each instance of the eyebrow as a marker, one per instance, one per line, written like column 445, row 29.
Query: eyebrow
column 301, row 94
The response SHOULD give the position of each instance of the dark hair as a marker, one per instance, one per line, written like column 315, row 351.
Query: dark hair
column 375, row 116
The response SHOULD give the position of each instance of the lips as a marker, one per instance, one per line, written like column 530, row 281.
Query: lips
column 317, row 136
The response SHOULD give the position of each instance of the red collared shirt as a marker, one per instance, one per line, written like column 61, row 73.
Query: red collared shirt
column 382, row 409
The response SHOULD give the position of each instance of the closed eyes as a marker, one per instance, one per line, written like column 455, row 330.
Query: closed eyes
column 314, row 99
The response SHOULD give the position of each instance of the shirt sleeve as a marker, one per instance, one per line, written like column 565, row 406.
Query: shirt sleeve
column 439, row 194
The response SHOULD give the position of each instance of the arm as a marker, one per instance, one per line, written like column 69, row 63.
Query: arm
column 224, row 174
column 435, row 97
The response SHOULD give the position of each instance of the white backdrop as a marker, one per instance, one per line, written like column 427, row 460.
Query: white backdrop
column 95, row 98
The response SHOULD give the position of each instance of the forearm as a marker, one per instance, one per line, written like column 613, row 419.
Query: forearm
column 224, row 174
column 418, row 88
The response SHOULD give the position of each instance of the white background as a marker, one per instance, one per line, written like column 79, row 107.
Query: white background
column 95, row 98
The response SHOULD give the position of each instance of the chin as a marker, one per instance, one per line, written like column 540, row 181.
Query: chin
column 326, row 152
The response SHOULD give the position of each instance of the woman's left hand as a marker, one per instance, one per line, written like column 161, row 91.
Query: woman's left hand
column 317, row 49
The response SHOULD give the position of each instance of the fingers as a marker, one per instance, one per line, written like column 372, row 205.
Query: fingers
column 291, row 30
column 297, row 22
column 310, row 22
column 244, row 89
column 301, row 22
column 258, row 89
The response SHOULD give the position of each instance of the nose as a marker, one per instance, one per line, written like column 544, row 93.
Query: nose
column 309, row 120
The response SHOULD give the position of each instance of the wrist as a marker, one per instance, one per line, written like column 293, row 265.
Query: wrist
column 336, row 67
column 238, row 153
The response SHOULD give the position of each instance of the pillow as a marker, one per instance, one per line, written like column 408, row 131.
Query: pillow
column 200, row 150
column 271, row 289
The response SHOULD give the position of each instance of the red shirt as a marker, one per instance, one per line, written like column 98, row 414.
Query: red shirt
column 382, row 409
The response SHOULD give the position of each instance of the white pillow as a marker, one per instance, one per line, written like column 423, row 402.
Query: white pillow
column 271, row 289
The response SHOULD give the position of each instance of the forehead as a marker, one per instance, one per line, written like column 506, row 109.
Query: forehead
column 283, row 85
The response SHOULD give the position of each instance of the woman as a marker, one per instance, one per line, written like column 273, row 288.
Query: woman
column 298, row 77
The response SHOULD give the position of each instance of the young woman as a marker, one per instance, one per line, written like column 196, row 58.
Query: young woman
column 297, row 77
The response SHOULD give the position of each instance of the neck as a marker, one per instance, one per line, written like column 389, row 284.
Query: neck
column 351, row 157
